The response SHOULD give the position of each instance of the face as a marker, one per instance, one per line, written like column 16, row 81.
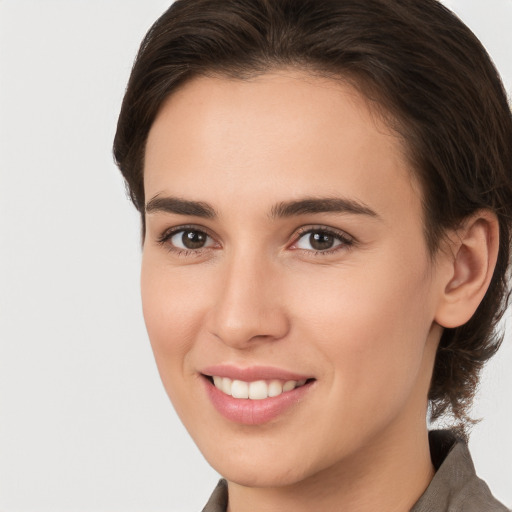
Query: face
column 287, row 288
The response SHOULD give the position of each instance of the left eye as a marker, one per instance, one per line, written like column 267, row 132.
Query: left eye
column 190, row 239
column 320, row 241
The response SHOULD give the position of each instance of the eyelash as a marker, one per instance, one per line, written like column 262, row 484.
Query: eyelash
column 166, row 236
column 346, row 241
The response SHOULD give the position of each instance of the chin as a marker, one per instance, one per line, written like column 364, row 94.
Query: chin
column 268, row 475
column 262, row 464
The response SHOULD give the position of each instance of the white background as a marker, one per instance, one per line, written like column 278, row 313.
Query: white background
column 84, row 422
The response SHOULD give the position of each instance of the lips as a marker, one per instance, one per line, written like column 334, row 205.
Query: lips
column 256, row 395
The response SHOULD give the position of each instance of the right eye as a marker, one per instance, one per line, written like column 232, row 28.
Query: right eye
column 187, row 239
column 191, row 239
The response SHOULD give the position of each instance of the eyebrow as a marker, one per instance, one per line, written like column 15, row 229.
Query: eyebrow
column 321, row 205
column 280, row 210
column 180, row 207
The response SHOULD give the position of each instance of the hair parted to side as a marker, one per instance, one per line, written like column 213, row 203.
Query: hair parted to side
column 417, row 62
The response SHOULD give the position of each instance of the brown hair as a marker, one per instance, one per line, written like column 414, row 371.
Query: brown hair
column 416, row 60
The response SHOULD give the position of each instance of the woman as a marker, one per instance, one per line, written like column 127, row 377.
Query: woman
column 325, row 191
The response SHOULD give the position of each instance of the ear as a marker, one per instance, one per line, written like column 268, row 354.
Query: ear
column 467, row 268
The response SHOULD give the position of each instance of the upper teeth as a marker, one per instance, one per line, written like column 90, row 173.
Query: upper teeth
column 257, row 390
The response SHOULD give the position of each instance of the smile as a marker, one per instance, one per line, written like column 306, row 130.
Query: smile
column 255, row 390
column 256, row 395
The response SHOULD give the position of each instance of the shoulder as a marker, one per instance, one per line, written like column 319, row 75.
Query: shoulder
column 455, row 486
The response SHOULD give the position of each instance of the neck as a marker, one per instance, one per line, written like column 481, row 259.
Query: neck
column 390, row 475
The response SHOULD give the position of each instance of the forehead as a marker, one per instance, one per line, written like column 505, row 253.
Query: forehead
column 281, row 133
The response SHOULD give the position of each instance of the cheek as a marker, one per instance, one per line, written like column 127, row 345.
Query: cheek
column 371, row 324
column 172, row 305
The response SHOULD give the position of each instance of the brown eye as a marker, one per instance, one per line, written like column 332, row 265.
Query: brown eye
column 320, row 240
column 190, row 239
column 193, row 239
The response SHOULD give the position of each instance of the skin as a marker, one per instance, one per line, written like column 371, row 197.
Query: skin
column 363, row 318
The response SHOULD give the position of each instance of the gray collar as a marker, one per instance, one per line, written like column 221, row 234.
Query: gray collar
column 455, row 486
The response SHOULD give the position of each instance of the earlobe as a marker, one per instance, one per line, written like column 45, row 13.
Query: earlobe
column 469, row 262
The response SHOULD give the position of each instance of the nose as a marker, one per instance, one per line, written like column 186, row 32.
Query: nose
column 250, row 306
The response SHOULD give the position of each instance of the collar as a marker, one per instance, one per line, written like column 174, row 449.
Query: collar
column 455, row 486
